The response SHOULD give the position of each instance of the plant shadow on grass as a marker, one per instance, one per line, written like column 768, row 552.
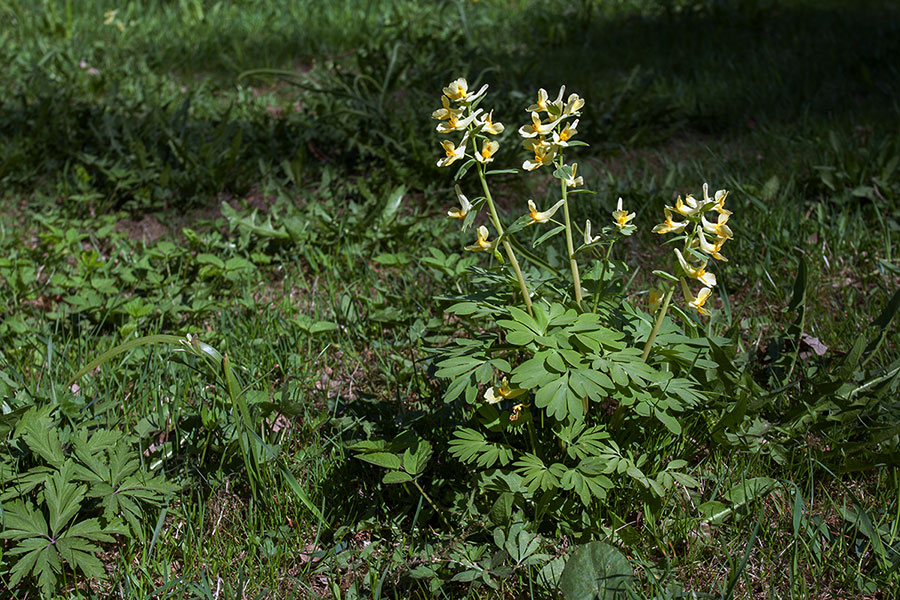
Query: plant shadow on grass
column 720, row 70
column 725, row 67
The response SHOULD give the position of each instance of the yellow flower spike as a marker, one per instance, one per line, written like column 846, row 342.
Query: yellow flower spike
column 621, row 217
column 543, row 154
column 463, row 210
column 489, row 126
column 452, row 151
column 562, row 138
column 574, row 104
column 574, row 181
column 587, row 234
column 541, row 104
column 699, row 273
column 719, row 228
column 109, row 16
column 669, row 226
column 454, row 123
column 486, row 154
column 697, row 301
column 498, row 392
column 541, row 217
column 482, row 243
column 537, row 127
column 711, row 249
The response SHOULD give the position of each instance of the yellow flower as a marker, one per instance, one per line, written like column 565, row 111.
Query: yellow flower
column 454, row 123
column 699, row 273
column 482, row 243
column 537, row 127
column 541, row 104
column 452, row 151
column 465, row 206
column 488, row 149
column 621, row 217
column 541, row 217
column 516, row 412
column 719, row 228
column 718, row 202
column 459, row 90
column 574, row 181
column 573, row 105
column 543, row 154
column 669, row 225
column 711, row 248
column 688, row 208
column 562, row 138
column 446, row 112
column 109, row 16
column 697, row 301
column 498, row 392
column 488, row 126
column 587, row 234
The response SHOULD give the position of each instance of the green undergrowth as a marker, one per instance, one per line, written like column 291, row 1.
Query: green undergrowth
column 224, row 279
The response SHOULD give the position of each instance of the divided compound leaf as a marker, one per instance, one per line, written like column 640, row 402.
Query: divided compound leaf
column 469, row 445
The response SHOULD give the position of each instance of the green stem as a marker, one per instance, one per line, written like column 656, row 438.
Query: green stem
column 576, row 278
column 658, row 324
column 600, row 282
column 495, row 219
column 532, row 438
column 439, row 512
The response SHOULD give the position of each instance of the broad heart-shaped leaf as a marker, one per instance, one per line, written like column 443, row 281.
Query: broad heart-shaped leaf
column 501, row 511
column 415, row 459
column 596, row 571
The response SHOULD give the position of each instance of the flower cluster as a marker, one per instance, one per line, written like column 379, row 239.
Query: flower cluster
column 703, row 238
column 549, row 130
column 459, row 113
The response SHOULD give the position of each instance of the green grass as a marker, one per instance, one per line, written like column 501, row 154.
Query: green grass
column 327, row 312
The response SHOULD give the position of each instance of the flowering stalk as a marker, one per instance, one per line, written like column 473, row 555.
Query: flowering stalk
column 695, row 228
column 459, row 113
column 659, row 319
column 546, row 137
column 495, row 219
column 576, row 278
column 600, row 282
